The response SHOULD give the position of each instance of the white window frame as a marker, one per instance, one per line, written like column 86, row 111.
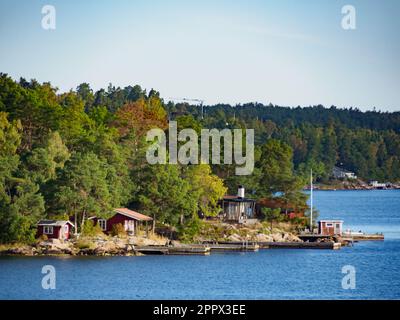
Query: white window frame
column 48, row 229
column 103, row 224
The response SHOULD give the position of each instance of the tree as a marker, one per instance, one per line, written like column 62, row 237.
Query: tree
column 43, row 162
column 271, row 215
column 276, row 167
column 163, row 194
column 21, row 204
column 206, row 188
column 82, row 188
column 136, row 118
column 86, row 94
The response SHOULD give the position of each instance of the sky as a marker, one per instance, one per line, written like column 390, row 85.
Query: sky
column 283, row 52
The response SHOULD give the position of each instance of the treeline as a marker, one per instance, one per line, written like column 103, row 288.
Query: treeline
column 74, row 154
column 367, row 143
column 82, row 153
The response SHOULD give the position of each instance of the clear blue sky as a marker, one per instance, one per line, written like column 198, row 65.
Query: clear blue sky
column 284, row 52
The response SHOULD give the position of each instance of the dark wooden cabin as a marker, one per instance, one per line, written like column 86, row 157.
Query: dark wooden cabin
column 237, row 208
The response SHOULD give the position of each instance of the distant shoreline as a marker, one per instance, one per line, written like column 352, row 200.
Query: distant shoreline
column 349, row 188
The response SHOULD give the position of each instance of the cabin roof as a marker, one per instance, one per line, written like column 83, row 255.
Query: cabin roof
column 133, row 214
column 332, row 220
column 54, row 223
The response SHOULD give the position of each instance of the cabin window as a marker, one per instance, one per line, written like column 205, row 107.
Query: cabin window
column 103, row 224
column 329, row 225
column 66, row 228
column 337, row 226
column 47, row 230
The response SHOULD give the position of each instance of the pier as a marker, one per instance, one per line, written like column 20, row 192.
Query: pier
column 365, row 237
column 310, row 241
column 234, row 247
column 283, row 245
column 168, row 250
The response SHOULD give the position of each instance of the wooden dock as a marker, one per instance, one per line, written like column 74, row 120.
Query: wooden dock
column 234, row 247
column 304, row 245
column 282, row 245
column 168, row 250
column 365, row 237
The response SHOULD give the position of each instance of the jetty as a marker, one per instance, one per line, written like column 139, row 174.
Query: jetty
column 169, row 250
column 364, row 236
column 229, row 245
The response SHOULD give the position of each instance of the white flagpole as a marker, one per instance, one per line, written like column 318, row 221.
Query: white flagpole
column 311, row 202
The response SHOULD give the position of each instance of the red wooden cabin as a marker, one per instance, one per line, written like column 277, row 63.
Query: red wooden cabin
column 54, row 229
column 330, row 227
column 131, row 220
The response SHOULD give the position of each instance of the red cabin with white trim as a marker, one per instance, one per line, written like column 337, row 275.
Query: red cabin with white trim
column 330, row 227
column 54, row 229
column 131, row 220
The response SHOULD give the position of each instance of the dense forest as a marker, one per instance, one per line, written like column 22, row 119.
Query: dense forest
column 367, row 143
column 82, row 153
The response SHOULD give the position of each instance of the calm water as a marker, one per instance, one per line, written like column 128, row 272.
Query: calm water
column 267, row 274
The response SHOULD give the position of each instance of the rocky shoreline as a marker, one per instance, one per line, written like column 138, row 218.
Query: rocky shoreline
column 116, row 246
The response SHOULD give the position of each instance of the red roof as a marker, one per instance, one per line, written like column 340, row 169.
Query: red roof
column 133, row 214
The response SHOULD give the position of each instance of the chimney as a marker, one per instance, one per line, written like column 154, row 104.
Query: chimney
column 241, row 192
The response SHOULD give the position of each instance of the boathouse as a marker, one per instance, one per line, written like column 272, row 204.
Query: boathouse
column 131, row 220
column 54, row 229
column 238, row 208
column 330, row 227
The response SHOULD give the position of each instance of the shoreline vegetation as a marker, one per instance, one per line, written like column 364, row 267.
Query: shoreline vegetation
column 123, row 245
column 352, row 185
column 79, row 154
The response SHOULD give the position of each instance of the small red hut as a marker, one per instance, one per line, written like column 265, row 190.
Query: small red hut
column 330, row 227
column 131, row 220
column 54, row 229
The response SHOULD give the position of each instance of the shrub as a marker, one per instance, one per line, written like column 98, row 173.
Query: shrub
column 89, row 229
column 190, row 230
column 118, row 230
column 43, row 237
column 83, row 244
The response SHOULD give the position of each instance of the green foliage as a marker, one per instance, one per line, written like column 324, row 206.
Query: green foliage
column 84, row 244
column 82, row 187
column 272, row 215
column 118, row 230
column 83, row 153
column 205, row 188
column 190, row 230
column 164, row 195
column 90, row 230
column 43, row 162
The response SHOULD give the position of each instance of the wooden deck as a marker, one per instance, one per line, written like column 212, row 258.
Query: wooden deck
column 234, row 247
column 365, row 237
column 185, row 250
column 284, row 245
